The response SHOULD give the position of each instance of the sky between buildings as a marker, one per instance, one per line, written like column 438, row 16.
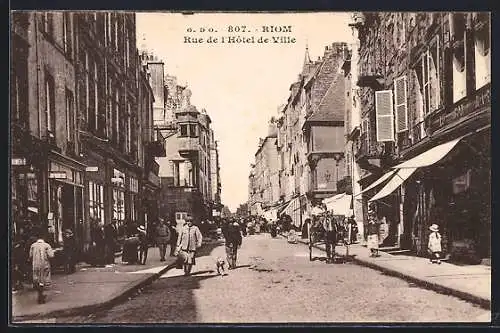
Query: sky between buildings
column 240, row 85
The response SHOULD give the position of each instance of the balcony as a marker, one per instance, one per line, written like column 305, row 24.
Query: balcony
column 187, row 146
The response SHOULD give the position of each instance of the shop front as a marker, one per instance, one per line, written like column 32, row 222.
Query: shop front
column 65, row 204
column 453, row 192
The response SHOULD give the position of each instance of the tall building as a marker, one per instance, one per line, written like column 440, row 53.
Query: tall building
column 264, row 179
column 424, row 146
column 190, row 171
column 311, row 135
column 79, row 123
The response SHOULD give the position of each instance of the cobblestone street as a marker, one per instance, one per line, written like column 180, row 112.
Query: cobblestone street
column 276, row 282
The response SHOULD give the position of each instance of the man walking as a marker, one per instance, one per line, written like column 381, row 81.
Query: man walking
column 162, row 238
column 189, row 241
column 233, row 242
column 40, row 254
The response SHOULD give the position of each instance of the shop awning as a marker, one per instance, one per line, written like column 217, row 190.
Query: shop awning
column 394, row 183
column 340, row 204
column 292, row 209
column 271, row 214
column 429, row 157
column 378, row 181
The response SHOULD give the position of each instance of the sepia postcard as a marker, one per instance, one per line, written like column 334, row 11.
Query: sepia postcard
column 250, row 167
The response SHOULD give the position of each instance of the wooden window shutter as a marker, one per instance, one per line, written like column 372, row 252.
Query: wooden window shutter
column 385, row 116
column 401, row 106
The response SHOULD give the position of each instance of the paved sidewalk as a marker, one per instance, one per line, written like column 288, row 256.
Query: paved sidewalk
column 89, row 288
column 471, row 282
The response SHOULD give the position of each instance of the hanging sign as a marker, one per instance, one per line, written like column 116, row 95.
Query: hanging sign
column 18, row 161
column 92, row 169
column 58, row 175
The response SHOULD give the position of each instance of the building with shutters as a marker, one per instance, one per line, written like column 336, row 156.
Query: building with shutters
column 424, row 85
column 79, row 123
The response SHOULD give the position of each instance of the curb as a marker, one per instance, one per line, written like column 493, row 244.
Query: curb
column 86, row 309
column 481, row 301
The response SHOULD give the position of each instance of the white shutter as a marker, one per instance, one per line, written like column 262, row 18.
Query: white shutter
column 401, row 107
column 385, row 116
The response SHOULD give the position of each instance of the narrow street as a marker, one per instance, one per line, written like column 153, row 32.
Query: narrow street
column 276, row 282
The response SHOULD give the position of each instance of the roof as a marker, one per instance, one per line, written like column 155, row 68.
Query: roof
column 332, row 105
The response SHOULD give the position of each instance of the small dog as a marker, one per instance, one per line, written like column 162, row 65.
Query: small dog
column 221, row 266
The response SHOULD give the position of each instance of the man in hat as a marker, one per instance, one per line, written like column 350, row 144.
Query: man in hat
column 372, row 233
column 434, row 245
column 190, row 240
column 69, row 251
column 233, row 242
column 143, row 245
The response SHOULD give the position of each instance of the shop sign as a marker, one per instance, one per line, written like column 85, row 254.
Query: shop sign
column 18, row 161
column 468, row 106
column 187, row 189
column 58, row 175
column 92, row 169
column 29, row 175
column 154, row 179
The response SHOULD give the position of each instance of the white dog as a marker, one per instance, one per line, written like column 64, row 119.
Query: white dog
column 221, row 266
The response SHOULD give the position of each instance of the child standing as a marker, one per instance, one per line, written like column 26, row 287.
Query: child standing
column 434, row 245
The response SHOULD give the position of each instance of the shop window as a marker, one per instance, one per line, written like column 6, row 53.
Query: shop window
column 96, row 202
column 482, row 38
column 461, row 183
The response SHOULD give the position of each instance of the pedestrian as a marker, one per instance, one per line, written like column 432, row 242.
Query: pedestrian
column 131, row 246
column 434, row 245
column 18, row 262
column 40, row 254
column 109, row 243
column 69, row 249
column 354, row 229
column 330, row 237
column 174, row 235
column 372, row 232
column 98, row 245
column 162, row 238
column 189, row 241
column 233, row 242
column 143, row 245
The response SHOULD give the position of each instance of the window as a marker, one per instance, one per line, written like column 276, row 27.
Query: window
column 116, row 33
column 457, row 31
column 50, row 111
column 119, row 206
column 87, row 83
column 482, row 38
column 127, row 49
column 116, row 128
column 47, row 26
column 16, row 107
column 192, row 130
column 69, row 114
column 96, row 201
column 385, row 116
column 95, row 88
column 427, row 70
column 67, row 34
column 184, row 129
column 400, row 106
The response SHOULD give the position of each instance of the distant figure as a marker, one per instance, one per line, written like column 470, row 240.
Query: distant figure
column 373, row 231
column 98, row 245
column 174, row 235
column 110, row 236
column 162, row 238
column 143, row 245
column 69, row 249
column 40, row 253
column 189, row 241
column 434, row 245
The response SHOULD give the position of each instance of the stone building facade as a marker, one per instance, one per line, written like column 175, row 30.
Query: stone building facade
column 190, row 171
column 424, row 92
column 79, row 120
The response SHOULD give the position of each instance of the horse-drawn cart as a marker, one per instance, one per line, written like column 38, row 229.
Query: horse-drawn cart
column 317, row 236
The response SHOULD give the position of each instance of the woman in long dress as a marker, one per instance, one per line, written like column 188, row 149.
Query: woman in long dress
column 40, row 253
